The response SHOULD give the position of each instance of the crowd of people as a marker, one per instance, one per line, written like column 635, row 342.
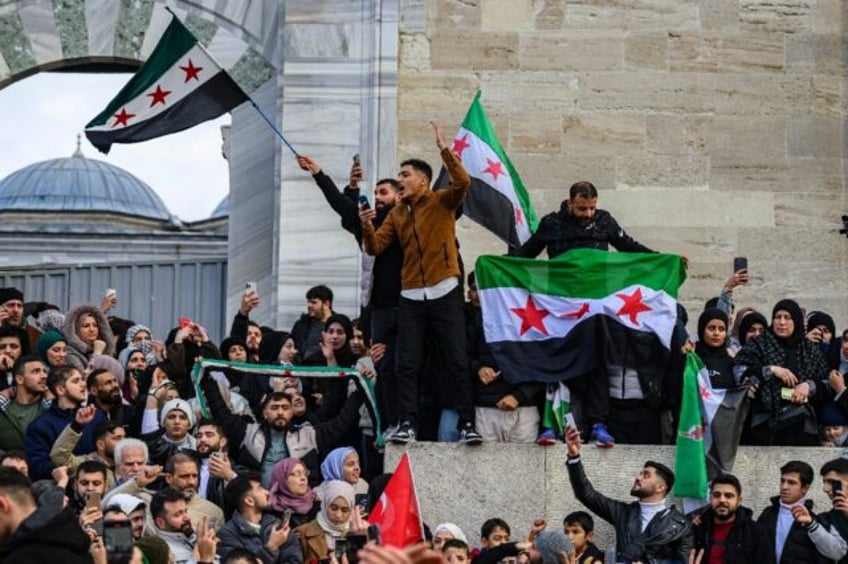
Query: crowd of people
column 111, row 452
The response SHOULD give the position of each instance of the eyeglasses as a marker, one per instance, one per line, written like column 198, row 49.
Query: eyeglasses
column 300, row 473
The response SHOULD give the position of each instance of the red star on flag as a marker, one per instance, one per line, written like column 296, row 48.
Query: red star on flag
column 577, row 314
column 633, row 305
column 519, row 217
column 705, row 393
column 122, row 118
column 460, row 144
column 191, row 71
column 531, row 317
column 495, row 168
column 158, row 96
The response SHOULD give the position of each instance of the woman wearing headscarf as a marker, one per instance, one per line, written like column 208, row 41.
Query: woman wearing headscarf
column 86, row 326
column 752, row 325
column 318, row 538
column 328, row 396
column 289, row 490
column 712, row 347
column 789, row 374
column 343, row 464
column 447, row 531
column 52, row 348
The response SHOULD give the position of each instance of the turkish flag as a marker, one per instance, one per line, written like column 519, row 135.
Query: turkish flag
column 397, row 512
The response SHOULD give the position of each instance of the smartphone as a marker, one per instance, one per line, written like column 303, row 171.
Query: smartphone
column 219, row 454
column 374, row 534
column 184, row 322
column 740, row 263
column 92, row 499
column 836, row 486
column 355, row 543
column 117, row 538
column 286, row 516
column 341, row 548
column 111, row 292
column 361, row 501
column 250, row 286
column 356, row 159
column 569, row 421
column 363, row 202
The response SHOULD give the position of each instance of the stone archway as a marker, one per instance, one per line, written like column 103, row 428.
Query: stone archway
column 322, row 70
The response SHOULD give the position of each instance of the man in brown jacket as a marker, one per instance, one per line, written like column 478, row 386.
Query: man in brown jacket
column 424, row 224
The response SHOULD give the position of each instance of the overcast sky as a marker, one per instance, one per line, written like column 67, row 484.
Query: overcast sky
column 42, row 115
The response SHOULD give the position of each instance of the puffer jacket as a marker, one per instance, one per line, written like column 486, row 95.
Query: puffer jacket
column 79, row 352
column 667, row 537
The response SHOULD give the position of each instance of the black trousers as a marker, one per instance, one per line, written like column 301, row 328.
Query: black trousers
column 384, row 330
column 443, row 318
column 632, row 422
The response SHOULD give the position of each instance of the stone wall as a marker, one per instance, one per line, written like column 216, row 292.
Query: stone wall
column 713, row 128
column 519, row 483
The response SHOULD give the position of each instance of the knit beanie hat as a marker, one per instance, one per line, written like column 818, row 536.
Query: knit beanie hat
column 154, row 549
column 7, row 294
column 551, row 544
column 176, row 403
column 47, row 340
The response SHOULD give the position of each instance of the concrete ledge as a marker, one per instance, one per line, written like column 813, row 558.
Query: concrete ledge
column 467, row 485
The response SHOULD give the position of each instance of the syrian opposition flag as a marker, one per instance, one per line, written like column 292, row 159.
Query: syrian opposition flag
column 397, row 512
column 497, row 199
column 690, row 462
column 557, row 404
column 724, row 411
column 546, row 320
column 179, row 86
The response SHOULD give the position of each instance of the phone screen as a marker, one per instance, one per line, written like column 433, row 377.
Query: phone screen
column 341, row 548
column 363, row 202
column 740, row 263
column 117, row 537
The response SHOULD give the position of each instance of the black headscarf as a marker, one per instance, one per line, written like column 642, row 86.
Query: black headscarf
column 716, row 359
column 749, row 321
column 271, row 345
column 794, row 310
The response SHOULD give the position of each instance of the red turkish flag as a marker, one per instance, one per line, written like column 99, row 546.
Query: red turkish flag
column 397, row 512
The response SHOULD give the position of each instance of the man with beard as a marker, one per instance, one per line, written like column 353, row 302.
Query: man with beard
column 645, row 530
column 106, row 436
column 68, row 385
column 216, row 469
column 90, row 479
column 173, row 525
column 244, row 329
column 254, row 530
column 105, row 393
column 29, row 402
column 381, row 282
column 12, row 347
column 12, row 315
column 726, row 532
column 260, row 445
column 181, row 475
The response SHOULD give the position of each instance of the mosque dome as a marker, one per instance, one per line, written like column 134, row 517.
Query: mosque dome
column 79, row 184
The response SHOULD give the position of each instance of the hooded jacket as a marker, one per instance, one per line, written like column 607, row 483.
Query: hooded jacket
column 47, row 536
column 78, row 350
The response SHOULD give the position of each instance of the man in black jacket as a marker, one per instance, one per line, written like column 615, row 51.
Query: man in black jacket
column 798, row 535
column 645, row 530
column 384, row 276
column 726, row 531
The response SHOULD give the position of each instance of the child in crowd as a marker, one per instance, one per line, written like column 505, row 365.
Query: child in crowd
column 579, row 527
column 456, row 552
column 494, row 532
column 833, row 423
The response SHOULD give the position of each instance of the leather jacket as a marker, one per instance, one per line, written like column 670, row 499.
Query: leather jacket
column 668, row 536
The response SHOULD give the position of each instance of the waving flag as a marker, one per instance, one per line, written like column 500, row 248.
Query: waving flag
column 397, row 512
column 497, row 199
column 547, row 320
column 690, row 461
column 179, row 86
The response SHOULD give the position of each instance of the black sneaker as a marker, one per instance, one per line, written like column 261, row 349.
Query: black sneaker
column 468, row 435
column 403, row 434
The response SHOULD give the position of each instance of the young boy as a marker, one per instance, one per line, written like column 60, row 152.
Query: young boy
column 456, row 551
column 579, row 527
column 494, row 532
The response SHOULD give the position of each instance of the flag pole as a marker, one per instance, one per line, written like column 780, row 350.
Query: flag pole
column 246, row 95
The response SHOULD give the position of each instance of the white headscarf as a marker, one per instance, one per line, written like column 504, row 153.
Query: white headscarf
column 332, row 490
column 454, row 530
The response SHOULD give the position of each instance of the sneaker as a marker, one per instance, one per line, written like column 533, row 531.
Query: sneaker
column 546, row 438
column 468, row 435
column 601, row 436
column 403, row 434
column 392, row 429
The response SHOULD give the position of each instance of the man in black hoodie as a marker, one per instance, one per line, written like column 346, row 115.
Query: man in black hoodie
column 726, row 531
column 36, row 533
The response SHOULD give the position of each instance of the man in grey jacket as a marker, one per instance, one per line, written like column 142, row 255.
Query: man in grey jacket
column 645, row 530
column 252, row 529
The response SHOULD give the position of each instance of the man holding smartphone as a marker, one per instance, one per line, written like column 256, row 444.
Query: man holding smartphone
column 835, row 485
